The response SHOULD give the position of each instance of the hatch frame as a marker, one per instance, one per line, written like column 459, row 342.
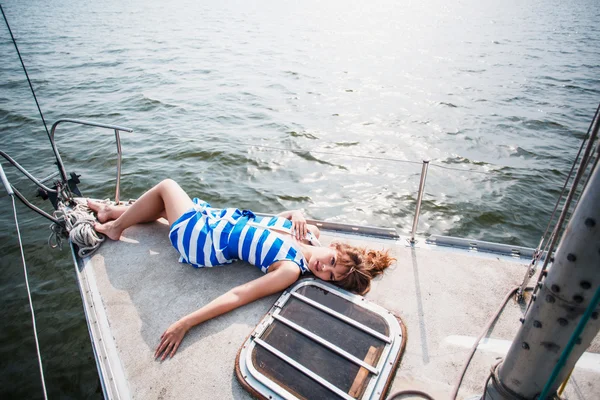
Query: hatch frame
column 263, row 387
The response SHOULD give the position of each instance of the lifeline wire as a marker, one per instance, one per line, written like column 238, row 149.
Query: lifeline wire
column 357, row 156
column 59, row 162
column 570, row 173
column 593, row 160
column 591, row 135
column 538, row 254
column 37, row 344
column 25, row 70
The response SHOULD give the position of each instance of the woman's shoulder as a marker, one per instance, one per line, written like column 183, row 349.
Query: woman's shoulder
column 284, row 265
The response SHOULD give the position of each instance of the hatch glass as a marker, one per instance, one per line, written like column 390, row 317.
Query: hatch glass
column 319, row 341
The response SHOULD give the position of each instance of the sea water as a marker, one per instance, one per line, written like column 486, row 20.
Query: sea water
column 328, row 107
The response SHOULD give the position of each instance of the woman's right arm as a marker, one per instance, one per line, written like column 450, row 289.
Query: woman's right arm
column 273, row 282
column 299, row 225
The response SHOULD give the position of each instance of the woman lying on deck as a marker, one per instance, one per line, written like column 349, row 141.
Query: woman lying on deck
column 281, row 246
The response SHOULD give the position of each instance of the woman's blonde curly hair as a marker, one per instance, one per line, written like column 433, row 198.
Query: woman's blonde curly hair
column 363, row 265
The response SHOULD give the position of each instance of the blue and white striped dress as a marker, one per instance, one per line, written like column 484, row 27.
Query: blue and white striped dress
column 206, row 236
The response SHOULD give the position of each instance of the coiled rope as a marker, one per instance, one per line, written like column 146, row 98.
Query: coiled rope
column 79, row 225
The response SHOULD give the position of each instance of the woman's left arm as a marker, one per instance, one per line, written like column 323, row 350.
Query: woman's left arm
column 282, row 277
column 299, row 226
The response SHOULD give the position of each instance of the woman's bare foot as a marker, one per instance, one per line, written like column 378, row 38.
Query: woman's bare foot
column 105, row 212
column 109, row 229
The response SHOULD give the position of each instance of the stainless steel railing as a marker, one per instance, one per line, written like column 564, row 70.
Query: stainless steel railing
column 39, row 183
column 419, row 199
column 377, row 231
column 116, row 128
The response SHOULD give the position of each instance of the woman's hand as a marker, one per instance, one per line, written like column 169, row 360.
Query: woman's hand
column 299, row 226
column 170, row 340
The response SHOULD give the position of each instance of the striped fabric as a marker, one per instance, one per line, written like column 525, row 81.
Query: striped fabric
column 206, row 236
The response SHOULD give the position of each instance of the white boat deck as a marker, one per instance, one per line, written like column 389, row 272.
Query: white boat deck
column 135, row 288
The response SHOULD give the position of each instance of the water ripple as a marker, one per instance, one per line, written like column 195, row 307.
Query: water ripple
column 509, row 95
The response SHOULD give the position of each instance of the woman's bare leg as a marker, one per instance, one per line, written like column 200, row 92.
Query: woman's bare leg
column 106, row 212
column 110, row 212
column 165, row 199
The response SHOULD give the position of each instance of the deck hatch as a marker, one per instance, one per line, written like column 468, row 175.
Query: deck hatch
column 337, row 332
column 319, row 341
column 342, row 317
column 326, row 343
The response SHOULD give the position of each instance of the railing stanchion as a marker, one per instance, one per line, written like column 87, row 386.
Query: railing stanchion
column 118, row 188
column 419, row 198
column 116, row 128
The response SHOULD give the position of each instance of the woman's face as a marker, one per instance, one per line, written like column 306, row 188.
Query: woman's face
column 323, row 264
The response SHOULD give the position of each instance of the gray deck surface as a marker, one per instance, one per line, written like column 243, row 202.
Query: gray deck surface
column 444, row 296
